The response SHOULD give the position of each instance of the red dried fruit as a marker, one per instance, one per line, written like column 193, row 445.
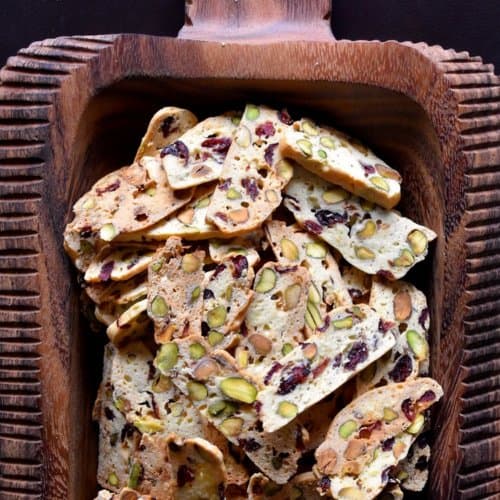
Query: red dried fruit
column 408, row 408
column 357, row 354
column 208, row 294
column 243, row 329
column 318, row 370
column 427, row 397
column 366, row 430
column 325, row 326
column 218, row 269
column 313, row 227
column 249, row 444
column 284, row 117
column 166, row 126
column 337, row 360
column 140, row 217
column 265, row 129
column 269, row 153
column 240, row 263
column 108, row 189
column 383, row 273
column 178, row 149
column 387, row 473
column 402, row 369
column 369, row 169
column 225, row 185
column 324, row 483
column 388, row 444
column 108, row 412
column 329, row 218
column 251, row 187
column 217, row 144
column 424, row 316
column 292, row 377
column 274, row 368
column 221, row 216
column 384, row 326
column 106, row 270
column 184, row 475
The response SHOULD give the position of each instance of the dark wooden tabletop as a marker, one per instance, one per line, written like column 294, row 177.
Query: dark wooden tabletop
column 458, row 24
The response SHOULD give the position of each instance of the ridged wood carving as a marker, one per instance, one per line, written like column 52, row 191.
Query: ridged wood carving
column 45, row 93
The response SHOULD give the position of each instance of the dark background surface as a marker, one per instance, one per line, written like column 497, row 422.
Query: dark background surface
column 472, row 25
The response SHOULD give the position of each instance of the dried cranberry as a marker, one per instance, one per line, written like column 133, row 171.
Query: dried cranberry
column 424, row 316
column 284, row 117
column 109, row 413
column 218, row 269
column 384, row 326
column 274, row 368
column 217, row 144
column 257, row 406
column 269, row 153
column 294, row 376
column 265, row 129
column 325, row 325
column 166, row 126
column 402, row 369
column 313, row 227
column 184, row 475
column 386, row 474
column 249, row 444
column 140, row 217
column 384, row 273
column 388, row 444
column 251, row 187
column 86, row 232
column 318, row 370
column 243, row 329
column 329, row 219
column 208, row 294
column 127, row 431
column 108, row 189
column 286, row 269
column 408, row 409
column 106, row 270
column 427, row 397
column 369, row 169
column 421, row 463
column 366, row 430
column 221, row 216
column 356, row 355
column 225, row 185
column 324, row 483
column 240, row 263
column 337, row 360
column 178, row 149
column 205, row 329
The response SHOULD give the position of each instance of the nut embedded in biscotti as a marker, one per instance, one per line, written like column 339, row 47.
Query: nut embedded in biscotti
column 287, row 409
column 344, row 323
column 197, row 391
column 238, row 215
column 292, row 296
column 231, row 426
column 315, row 250
column 167, row 357
column 417, row 241
column 364, row 253
column 261, row 344
column 196, row 351
column 239, row 389
column 402, row 306
column 190, row 263
column 205, row 369
column 289, row 249
column 216, row 317
column 159, row 307
column 267, row 281
column 347, row 428
column 335, row 195
column 380, row 183
column 305, row 146
column 389, row 414
column 417, row 424
column 369, row 229
column 107, row 232
column 417, row 344
column 405, row 259
column 351, row 493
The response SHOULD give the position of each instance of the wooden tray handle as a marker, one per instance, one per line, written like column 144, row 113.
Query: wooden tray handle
column 257, row 20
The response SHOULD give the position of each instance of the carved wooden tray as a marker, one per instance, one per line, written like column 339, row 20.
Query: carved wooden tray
column 74, row 108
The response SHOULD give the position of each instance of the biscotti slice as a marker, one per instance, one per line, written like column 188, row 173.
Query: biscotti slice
column 198, row 469
column 291, row 246
column 124, row 494
column 275, row 318
column 301, row 487
column 358, row 284
column 127, row 200
column 119, row 264
column 108, row 312
column 401, row 304
column 197, row 156
column 175, row 283
column 165, row 127
column 414, row 469
column 372, row 434
column 118, row 292
column 247, row 245
column 253, row 174
column 189, row 222
column 226, row 297
column 374, row 240
column 226, row 398
column 326, row 361
column 341, row 160
column 132, row 323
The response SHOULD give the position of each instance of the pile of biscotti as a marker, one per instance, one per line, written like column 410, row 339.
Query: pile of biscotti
column 247, row 269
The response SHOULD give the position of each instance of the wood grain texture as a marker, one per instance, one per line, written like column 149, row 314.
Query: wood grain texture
column 74, row 108
column 250, row 21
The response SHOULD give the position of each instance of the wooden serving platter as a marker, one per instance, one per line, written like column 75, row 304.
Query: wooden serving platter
column 73, row 108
